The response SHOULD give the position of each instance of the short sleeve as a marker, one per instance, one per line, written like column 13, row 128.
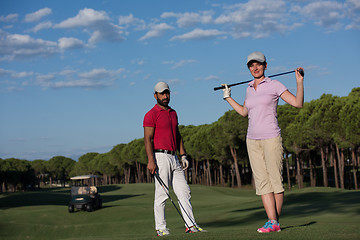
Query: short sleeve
column 149, row 119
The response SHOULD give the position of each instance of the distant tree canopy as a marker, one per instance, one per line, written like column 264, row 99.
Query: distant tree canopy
column 321, row 148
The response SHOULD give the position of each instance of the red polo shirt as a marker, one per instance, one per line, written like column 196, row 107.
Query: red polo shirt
column 165, row 123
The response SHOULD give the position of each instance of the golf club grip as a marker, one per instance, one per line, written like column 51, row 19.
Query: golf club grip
column 275, row 75
column 231, row 85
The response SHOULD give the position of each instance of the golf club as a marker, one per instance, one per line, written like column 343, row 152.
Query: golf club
column 275, row 75
column 166, row 189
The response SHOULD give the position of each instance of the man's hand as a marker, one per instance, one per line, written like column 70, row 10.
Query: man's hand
column 151, row 166
column 227, row 91
column 184, row 162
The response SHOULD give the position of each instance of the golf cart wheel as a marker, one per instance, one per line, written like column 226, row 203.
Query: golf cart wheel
column 89, row 207
column 71, row 208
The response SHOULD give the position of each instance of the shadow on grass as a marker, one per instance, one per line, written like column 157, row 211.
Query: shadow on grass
column 302, row 225
column 101, row 189
column 55, row 196
column 297, row 205
column 311, row 203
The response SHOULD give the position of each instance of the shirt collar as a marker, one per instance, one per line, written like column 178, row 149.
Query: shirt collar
column 160, row 109
column 266, row 79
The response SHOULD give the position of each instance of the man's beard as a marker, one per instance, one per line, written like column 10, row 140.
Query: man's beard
column 164, row 102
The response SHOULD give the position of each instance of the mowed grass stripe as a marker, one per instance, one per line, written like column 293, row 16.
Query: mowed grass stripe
column 311, row 213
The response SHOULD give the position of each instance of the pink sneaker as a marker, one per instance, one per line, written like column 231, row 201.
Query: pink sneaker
column 270, row 226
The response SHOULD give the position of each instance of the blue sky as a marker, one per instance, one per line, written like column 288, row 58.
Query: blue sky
column 78, row 76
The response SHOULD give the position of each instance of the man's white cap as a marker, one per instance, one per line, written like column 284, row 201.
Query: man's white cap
column 161, row 86
column 256, row 56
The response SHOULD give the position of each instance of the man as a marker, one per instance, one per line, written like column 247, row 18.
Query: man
column 162, row 138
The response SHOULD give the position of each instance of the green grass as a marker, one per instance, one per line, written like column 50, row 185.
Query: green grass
column 311, row 213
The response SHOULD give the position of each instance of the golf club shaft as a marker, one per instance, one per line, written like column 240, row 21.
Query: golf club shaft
column 190, row 218
column 166, row 189
column 275, row 75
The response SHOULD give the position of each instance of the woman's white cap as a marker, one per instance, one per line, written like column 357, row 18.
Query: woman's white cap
column 256, row 56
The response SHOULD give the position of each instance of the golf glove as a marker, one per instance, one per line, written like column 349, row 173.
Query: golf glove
column 184, row 162
column 226, row 90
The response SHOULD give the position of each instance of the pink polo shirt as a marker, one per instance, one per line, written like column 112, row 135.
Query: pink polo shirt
column 262, row 108
column 165, row 123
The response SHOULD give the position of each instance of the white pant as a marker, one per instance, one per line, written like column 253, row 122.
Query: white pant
column 170, row 171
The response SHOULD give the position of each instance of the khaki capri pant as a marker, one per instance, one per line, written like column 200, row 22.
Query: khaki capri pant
column 266, row 163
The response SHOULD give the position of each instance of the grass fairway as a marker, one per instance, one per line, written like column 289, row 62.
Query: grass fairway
column 311, row 213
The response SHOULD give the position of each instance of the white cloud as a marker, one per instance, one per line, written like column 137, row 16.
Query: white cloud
column 212, row 77
column 18, row 46
column 256, row 18
column 199, row 34
column 67, row 72
column 67, row 78
column 138, row 61
column 4, row 72
column 156, row 30
column 353, row 12
column 208, row 78
column 96, row 78
column 41, row 26
column 325, row 13
column 180, row 63
column 190, row 19
column 130, row 20
column 43, row 79
column 98, row 22
column 14, row 89
column 82, row 83
column 36, row 16
column 22, row 74
column 85, row 18
column 98, row 73
column 9, row 18
column 107, row 32
column 70, row 43
column 172, row 81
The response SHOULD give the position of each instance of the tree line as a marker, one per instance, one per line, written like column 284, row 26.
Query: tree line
column 321, row 148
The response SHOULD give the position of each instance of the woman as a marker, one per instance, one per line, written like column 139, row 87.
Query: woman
column 263, row 140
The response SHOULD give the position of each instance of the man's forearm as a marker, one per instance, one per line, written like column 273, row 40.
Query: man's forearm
column 149, row 150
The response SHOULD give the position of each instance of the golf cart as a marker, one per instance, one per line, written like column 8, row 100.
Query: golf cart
column 84, row 195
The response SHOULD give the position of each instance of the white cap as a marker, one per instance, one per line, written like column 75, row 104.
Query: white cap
column 256, row 56
column 161, row 86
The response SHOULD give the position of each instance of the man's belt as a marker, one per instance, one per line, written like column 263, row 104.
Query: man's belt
column 165, row 151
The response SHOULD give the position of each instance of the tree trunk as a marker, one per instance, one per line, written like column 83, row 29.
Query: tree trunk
column 288, row 170
column 209, row 173
column 354, row 168
column 341, row 166
column 203, row 173
column 138, row 170
column 311, row 167
column 237, row 172
column 333, row 158
column 148, row 176
column 193, row 172
column 3, row 186
column 222, row 182
column 127, row 175
column 232, row 175
column 299, row 175
column 324, row 167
